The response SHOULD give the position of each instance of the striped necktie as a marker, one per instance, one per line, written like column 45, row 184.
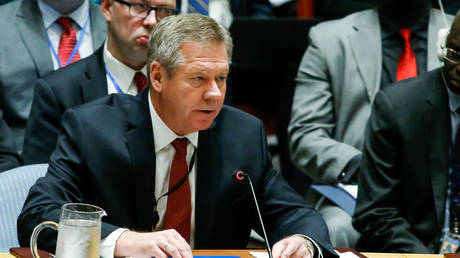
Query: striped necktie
column 67, row 42
column 198, row 6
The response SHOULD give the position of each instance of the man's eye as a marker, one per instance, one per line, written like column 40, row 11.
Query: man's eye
column 222, row 78
column 139, row 8
column 198, row 78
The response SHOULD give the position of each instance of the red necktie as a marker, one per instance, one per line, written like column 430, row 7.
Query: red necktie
column 179, row 207
column 141, row 81
column 67, row 41
column 407, row 65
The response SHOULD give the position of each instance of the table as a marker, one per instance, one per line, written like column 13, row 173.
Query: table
column 245, row 254
column 388, row 255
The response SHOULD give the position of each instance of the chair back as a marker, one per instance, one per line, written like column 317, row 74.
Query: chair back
column 14, row 187
column 265, row 60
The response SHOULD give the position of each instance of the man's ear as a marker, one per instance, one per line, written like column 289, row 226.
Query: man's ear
column 157, row 76
column 106, row 6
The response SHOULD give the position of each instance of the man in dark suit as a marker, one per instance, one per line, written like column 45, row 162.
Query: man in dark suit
column 9, row 158
column 403, row 185
column 114, row 68
column 344, row 67
column 31, row 30
column 125, row 154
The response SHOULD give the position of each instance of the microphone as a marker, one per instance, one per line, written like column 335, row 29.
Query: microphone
column 240, row 176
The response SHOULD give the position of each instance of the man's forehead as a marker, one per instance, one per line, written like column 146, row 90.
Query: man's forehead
column 171, row 3
column 205, row 66
column 454, row 37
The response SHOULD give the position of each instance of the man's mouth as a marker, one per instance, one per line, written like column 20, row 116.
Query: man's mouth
column 206, row 111
column 143, row 39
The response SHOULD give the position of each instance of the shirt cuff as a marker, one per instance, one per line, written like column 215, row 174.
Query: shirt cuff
column 317, row 251
column 109, row 242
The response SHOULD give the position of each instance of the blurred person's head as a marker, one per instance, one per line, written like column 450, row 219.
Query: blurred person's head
column 452, row 56
column 64, row 6
column 129, row 24
column 188, row 59
column 404, row 12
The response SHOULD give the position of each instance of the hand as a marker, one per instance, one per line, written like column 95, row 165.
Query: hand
column 159, row 244
column 293, row 246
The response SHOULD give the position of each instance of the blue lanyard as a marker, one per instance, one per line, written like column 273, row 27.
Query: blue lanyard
column 77, row 46
column 113, row 81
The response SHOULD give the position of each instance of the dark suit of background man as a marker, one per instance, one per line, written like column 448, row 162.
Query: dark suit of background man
column 123, row 55
column 403, row 186
column 224, row 11
column 348, row 61
column 9, row 158
column 117, row 153
column 26, row 55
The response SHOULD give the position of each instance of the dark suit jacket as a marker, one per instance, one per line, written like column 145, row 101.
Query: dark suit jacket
column 25, row 57
column 105, row 156
column 9, row 158
column 71, row 86
column 246, row 8
column 402, row 185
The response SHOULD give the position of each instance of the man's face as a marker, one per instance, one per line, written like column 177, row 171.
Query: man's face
column 128, row 35
column 404, row 12
column 64, row 6
column 191, row 99
column 451, row 69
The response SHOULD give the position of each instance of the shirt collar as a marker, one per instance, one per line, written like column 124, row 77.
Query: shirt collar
column 122, row 73
column 162, row 134
column 79, row 15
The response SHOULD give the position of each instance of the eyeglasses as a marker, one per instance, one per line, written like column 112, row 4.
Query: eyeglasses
column 143, row 10
column 452, row 55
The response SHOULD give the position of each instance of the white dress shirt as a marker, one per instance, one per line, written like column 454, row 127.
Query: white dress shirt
column 122, row 74
column 54, row 30
column 164, row 155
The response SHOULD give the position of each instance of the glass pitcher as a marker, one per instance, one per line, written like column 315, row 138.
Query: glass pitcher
column 79, row 231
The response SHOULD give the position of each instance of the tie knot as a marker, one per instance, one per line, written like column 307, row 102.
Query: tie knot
column 140, row 80
column 405, row 34
column 180, row 144
column 65, row 23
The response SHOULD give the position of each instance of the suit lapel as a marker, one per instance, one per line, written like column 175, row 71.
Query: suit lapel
column 98, row 26
column 94, row 85
column 140, row 143
column 368, row 59
column 437, row 135
column 207, row 186
column 32, row 30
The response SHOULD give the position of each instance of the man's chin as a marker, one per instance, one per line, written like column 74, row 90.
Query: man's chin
column 454, row 85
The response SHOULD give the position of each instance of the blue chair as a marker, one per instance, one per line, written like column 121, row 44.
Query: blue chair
column 338, row 196
column 14, row 187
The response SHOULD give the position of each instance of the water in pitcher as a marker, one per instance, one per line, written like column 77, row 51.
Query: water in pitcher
column 78, row 239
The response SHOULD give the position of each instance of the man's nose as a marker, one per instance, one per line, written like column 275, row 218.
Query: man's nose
column 151, row 19
column 213, row 91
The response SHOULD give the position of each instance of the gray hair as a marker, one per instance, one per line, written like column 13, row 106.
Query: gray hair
column 167, row 37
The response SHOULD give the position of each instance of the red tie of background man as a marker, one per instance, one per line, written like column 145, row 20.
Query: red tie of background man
column 140, row 80
column 179, row 207
column 67, row 41
column 407, row 65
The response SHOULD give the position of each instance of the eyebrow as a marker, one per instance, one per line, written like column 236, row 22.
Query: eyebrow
column 226, row 71
column 158, row 5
